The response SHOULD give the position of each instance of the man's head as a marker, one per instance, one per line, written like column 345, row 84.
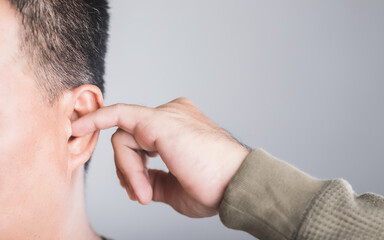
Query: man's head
column 51, row 72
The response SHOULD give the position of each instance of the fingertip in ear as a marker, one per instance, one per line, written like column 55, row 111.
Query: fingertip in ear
column 84, row 100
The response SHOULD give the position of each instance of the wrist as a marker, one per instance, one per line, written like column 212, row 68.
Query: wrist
column 236, row 159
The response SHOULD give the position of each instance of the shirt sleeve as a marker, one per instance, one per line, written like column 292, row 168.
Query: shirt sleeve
column 271, row 199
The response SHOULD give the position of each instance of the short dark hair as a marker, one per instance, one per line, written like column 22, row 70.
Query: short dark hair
column 64, row 42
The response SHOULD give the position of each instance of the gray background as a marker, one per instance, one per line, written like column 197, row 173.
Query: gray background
column 301, row 79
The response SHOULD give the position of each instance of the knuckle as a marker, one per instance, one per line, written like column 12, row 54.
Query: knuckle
column 117, row 136
column 119, row 107
column 183, row 100
column 113, row 138
column 118, row 111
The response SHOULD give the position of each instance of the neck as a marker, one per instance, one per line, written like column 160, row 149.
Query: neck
column 76, row 224
column 56, row 214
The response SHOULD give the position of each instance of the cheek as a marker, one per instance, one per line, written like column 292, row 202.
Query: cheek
column 32, row 148
column 32, row 163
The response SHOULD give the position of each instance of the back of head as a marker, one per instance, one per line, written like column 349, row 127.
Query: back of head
column 65, row 42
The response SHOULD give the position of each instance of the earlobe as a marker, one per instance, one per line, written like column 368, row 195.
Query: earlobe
column 84, row 100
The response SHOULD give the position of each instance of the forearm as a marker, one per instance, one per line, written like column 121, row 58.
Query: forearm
column 271, row 199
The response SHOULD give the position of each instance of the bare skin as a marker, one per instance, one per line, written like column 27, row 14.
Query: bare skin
column 201, row 157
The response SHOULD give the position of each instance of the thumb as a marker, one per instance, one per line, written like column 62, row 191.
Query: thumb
column 167, row 189
column 165, row 186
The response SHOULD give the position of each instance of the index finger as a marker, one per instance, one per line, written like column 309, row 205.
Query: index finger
column 120, row 115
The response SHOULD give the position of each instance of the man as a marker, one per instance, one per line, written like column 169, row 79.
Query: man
column 51, row 73
column 50, row 52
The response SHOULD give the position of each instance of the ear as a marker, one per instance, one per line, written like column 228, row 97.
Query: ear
column 83, row 100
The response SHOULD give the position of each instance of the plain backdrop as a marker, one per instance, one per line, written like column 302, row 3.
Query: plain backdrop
column 304, row 80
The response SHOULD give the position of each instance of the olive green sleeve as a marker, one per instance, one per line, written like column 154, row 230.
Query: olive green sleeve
column 271, row 199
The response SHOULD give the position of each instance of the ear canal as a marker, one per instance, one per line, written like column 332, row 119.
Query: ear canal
column 85, row 99
column 75, row 115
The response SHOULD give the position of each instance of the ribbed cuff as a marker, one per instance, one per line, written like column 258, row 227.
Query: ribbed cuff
column 268, row 197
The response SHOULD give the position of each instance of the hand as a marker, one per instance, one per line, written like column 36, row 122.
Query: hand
column 201, row 157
